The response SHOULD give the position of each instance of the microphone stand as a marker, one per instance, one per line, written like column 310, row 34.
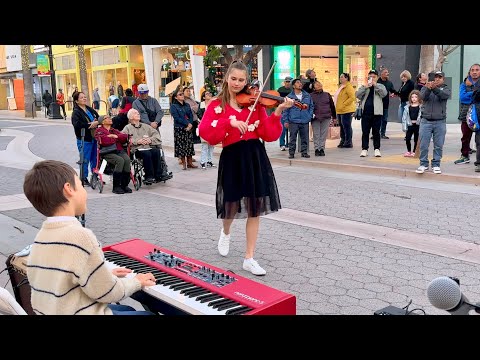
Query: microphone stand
column 81, row 218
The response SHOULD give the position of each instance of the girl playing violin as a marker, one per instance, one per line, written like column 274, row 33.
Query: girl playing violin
column 246, row 186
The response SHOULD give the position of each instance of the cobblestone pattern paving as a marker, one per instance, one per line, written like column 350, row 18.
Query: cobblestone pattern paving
column 329, row 273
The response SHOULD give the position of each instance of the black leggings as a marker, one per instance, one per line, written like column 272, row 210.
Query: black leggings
column 412, row 129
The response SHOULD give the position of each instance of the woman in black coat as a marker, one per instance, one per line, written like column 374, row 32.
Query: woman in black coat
column 85, row 117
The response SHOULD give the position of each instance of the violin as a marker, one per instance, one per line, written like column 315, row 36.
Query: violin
column 269, row 98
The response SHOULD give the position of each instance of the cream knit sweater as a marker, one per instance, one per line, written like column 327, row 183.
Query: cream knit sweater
column 68, row 275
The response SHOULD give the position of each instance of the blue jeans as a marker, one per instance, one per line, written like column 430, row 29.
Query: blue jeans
column 127, row 310
column 346, row 129
column 400, row 110
column 437, row 129
column 207, row 153
column 89, row 155
column 283, row 135
column 383, row 129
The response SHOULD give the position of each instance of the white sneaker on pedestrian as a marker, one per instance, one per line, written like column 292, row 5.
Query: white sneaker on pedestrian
column 421, row 169
column 252, row 266
column 364, row 153
column 282, row 148
column 436, row 170
column 223, row 243
column 377, row 153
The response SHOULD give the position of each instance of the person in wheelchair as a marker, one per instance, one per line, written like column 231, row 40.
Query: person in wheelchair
column 111, row 149
column 146, row 143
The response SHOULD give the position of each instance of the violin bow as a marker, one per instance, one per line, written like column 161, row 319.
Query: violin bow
column 260, row 92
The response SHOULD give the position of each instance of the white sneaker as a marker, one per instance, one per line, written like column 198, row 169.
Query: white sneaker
column 223, row 243
column 421, row 169
column 377, row 153
column 436, row 170
column 364, row 153
column 252, row 266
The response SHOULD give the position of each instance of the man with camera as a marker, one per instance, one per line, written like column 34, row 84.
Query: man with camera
column 150, row 111
column 433, row 122
column 371, row 103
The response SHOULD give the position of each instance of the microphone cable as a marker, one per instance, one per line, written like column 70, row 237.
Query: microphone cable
column 407, row 312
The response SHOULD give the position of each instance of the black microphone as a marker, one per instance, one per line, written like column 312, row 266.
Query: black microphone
column 444, row 293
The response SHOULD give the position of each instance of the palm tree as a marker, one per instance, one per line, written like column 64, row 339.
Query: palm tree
column 82, row 64
column 27, row 81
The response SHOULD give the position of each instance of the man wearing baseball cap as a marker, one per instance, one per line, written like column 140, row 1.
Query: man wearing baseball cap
column 150, row 111
column 433, row 123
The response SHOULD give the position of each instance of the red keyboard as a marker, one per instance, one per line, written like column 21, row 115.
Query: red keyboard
column 189, row 286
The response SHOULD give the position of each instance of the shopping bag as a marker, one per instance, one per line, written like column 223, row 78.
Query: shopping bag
column 334, row 132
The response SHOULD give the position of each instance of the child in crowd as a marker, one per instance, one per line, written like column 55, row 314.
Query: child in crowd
column 206, row 158
column 66, row 267
column 411, row 121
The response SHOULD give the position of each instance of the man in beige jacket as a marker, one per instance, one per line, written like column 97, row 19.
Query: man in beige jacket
column 370, row 97
column 146, row 144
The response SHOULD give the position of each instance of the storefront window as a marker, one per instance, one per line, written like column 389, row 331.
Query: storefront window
column 323, row 59
column 136, row 54
column 66, row 62
column 67, row 83
column 171, row 64
column 105, row 57
column 357, row 61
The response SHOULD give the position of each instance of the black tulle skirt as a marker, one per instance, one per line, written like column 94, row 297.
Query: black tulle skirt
column 246, row 185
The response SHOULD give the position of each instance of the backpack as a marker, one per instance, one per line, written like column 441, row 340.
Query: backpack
column 472, row 113
column 472, row 118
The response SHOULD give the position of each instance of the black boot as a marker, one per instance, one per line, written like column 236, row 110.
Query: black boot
column 125, row 182
column 117, row 183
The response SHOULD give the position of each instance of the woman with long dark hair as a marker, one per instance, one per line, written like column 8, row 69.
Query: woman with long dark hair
column 84, row 117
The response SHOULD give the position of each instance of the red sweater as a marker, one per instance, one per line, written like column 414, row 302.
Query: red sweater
column 101, row 135
column 215, row 125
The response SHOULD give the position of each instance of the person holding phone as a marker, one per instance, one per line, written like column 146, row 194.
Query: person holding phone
column 383, row 79
column 370, row 97
column 433, row 122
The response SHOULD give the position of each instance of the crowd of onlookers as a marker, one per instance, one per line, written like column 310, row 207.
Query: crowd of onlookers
column 422, row 111
column 136, row 117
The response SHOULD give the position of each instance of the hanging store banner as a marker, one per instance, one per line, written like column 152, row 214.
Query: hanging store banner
column 200, row 50
column 43, row 65
column 13, row 57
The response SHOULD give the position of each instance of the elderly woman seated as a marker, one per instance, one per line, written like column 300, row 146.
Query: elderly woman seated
column 110, row 141
column 146, row 143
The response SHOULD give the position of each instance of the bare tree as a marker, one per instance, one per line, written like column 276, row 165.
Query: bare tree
column 27, row 81
column 427, row 54
column 82, row 64
column 442, row 54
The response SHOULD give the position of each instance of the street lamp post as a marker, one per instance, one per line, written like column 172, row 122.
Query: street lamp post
column 54, row 107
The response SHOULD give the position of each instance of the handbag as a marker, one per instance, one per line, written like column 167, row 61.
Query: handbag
column 109, row 149
column 358, row 113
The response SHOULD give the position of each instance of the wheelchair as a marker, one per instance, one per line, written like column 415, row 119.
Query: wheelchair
column 98, row 172
column 138, row 172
